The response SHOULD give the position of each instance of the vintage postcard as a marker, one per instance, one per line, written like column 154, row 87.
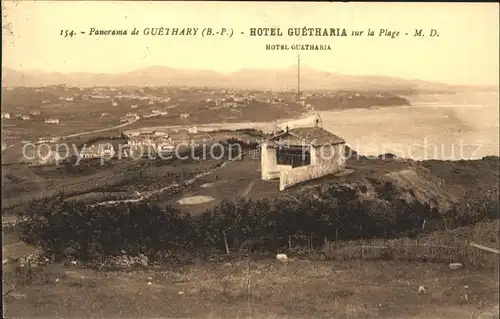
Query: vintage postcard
column 250, row 159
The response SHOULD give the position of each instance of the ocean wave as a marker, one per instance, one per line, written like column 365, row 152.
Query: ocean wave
column 440, row 104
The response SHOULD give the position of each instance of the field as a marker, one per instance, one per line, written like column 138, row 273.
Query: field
column 22, row 183
column 368, row 275
column 259, row 287
column 340, row 280
column 240, row 286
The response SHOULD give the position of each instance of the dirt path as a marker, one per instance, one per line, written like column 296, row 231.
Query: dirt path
column 247, row 189
column 86, row 133
column 100, row 130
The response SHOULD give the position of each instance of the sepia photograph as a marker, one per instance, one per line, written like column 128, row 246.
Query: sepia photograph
column 186, row 159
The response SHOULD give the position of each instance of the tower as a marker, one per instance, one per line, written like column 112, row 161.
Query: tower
column 318, row 122
column 298, row 77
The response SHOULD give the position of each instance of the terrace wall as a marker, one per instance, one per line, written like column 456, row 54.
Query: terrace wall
column 333, row 162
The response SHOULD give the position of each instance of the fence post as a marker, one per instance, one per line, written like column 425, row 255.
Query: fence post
column 225, row 242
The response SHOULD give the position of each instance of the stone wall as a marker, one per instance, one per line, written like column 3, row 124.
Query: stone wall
column 327, row 164
column 268, row 163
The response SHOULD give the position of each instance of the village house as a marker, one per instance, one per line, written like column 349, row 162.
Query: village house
column 99, row 97
column 90, row 152
column 5, row 115
column 184, row 115
column 140, row 140
column 25, row 117
column 52, row 121
column 301, row 154
column 100, row 150
column 129, row 117
column 161, row 133
column 42, row 140
column 132, row 134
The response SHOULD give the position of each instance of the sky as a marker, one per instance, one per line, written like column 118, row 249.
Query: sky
column 466, row 51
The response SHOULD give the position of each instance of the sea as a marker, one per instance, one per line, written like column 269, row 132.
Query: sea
column 460, row 126
column 446, row 127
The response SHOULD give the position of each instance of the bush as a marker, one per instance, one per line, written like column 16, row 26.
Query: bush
column 75, row 230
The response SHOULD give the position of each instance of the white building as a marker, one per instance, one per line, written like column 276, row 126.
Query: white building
column 161, row 133
column 301, row 154
column 184, row 115
column 5, row 115
column 52, row 121
column 138, row 140
column 25, row 117
column 129, row 118
column 193, row 130
column 100, row 150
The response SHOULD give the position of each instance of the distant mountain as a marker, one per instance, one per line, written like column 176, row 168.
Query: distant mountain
column 285, row 79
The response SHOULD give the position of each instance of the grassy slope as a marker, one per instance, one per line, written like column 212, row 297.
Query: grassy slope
column 435, row 182
column 262, row 289
column 441, row 184
column 301, row 288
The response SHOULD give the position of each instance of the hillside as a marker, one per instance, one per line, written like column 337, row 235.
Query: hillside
column 285, row 79
column 390, row 224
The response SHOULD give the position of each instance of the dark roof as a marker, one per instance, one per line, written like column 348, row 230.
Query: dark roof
column 313, row 135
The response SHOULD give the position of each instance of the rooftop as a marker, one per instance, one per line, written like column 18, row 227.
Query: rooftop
column 312, row 135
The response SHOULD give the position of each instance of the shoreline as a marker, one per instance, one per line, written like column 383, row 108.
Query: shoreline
column 262, row 126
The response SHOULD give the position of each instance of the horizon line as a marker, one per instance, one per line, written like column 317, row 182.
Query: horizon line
column 291, row 67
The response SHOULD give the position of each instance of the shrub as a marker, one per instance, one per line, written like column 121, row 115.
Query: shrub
column 73, row 229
